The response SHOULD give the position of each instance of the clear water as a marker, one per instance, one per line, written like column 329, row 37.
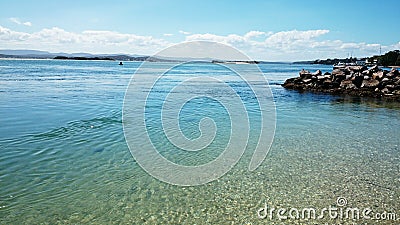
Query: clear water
column 64, row 160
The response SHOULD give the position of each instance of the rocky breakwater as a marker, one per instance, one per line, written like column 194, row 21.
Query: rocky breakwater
column 350, row 80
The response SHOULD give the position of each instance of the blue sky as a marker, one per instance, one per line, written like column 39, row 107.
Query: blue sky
column 276, row 30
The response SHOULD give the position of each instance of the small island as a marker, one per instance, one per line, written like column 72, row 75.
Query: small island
column 350, row 80
column 83, row 58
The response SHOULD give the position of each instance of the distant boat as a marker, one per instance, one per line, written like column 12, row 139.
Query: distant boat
column 120, row 63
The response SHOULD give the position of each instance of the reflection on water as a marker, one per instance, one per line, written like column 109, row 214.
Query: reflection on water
column 63, row 156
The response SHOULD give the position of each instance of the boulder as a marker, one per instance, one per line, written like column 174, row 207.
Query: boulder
column 298, row 80
column 366, row 72
column 370, row 83
column 357, row 80
column 393, row 73
column 317, row 73
column 347, row 84
column 397, row 80
column 385, row 91
column 356, row 68
column 338, row 72
column 327, row 83
column 305, row 74
column 390, row 86
column 378, row 75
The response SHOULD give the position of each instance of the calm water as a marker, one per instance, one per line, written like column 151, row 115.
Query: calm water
column 64, row 159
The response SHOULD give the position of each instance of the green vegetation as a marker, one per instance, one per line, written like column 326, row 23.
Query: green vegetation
column 391, row 58
column 336, row 61
column 83, row 58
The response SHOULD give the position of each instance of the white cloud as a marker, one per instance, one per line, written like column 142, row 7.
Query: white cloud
column 255, row 33
column 259, row 45
column 56, row 39
column 17, row 21
column 168, row 35
column 293, row 45
column 10, row 35
column 184, row 32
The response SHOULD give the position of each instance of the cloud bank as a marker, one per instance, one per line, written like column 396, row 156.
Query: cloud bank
column 260, row 45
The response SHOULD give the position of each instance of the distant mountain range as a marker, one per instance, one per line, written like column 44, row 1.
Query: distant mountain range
column 35, row 54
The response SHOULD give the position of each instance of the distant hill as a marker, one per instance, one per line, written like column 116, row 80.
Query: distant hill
column 23, row 52
column 36, row 54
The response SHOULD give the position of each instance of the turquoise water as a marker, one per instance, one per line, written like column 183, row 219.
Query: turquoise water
column 64, row 159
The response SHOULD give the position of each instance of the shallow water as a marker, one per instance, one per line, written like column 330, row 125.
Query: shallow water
column 64, row 159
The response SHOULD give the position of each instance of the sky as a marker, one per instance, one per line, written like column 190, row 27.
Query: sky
column 271, row 30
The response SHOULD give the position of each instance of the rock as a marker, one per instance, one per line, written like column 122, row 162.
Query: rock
column 378, row 75
column 347, row 84
column 374, row 69
column 305, row 74
column 317, row 73
column 366, row 72
column 390, row 86
column 339, row 78
column 393, row 73
column 356, row 68
column 327, row 83
column 338, row 72
column 335, row 84
column 385, row 91
column 357, row 80
column 327, row 73
column 298, row 81
column 353, row 80
column 370, row 83
column 288, row 85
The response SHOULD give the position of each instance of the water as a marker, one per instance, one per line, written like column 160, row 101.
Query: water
column 64, row 160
